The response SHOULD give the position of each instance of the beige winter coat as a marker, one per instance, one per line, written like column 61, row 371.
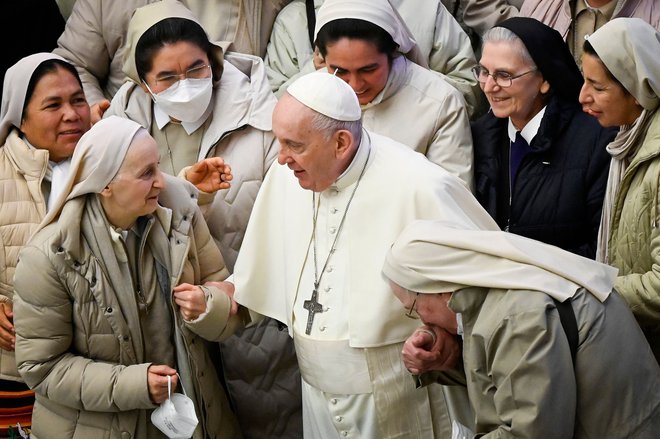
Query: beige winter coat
column 79, row 343
column 634, row 241
column 421, row 111
column 22, row 207
column 94, row 39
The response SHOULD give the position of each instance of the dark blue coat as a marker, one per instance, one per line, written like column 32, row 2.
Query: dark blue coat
column 559, row 189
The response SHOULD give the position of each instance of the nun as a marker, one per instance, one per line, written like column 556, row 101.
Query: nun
column 549, row 348
column 110, row 303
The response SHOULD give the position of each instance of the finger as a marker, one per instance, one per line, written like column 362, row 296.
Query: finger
column 183, row 287
column 233, row 310
column 162, row 369
column 7, row 344
column 5, row 323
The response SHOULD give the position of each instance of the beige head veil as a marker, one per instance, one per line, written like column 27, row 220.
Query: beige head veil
column 379, row 12
column 435, row 257
column 14, row 89
column 630, row 49
column 96, row 160
column 146, row 17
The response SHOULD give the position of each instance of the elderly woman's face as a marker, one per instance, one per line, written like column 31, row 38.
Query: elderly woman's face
column 524, row 98
column 57, row 115
column 134, row 191
column 432, row 309
column 361, row 65
column 605, row 99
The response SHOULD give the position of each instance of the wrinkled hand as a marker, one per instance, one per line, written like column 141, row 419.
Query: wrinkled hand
column 421, row 354
column 319, row 61
column 157, row 381
column 191, row 300
column 97, row 110
column 228, row 289
column 210, row 175
column 7, row 338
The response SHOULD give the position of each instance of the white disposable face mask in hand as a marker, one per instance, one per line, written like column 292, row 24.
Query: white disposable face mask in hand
column 185, row 100
column 176, row 416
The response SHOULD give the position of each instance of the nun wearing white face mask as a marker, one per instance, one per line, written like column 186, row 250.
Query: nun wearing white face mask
column 513, row 296
column 198, row 102
column 107, row 297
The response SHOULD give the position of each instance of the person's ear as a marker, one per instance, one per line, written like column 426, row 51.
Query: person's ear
column 143, row 85
column 545, row 87
column 344, row 143
column 106, row 192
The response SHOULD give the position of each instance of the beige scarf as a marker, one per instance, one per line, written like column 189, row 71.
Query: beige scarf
column 623, row 149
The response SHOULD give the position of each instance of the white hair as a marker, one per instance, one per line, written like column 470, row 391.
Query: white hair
column 501, row 34
column 328, row 126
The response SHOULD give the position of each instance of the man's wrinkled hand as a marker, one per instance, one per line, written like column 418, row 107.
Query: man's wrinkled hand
column 430, row 348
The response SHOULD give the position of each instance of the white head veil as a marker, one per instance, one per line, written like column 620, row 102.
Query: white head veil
column 436, row 257
column 96, row 160
column 630, row 49
column 14, row 89
column 379, row 12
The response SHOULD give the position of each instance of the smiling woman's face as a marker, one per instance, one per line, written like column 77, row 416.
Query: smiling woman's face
column 361, row 65
column 604, row 98
column 524, row 98
column 57, row 114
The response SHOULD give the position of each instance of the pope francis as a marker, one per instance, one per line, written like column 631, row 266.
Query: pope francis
column 322, row 223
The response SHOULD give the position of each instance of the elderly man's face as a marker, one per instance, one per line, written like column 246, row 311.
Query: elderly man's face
column 307, row 152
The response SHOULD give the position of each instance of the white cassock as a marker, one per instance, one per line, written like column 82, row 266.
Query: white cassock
column 354, row 382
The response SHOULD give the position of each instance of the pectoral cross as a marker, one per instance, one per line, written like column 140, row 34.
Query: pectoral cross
column 312, row 306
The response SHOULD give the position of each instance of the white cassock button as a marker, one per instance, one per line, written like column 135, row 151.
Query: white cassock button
column 329, row 270
column 339, row 418
column 334, row 210
column 333, row 230
column 327, row 289
column 344, row 433
column 322, row 328
column 333, row 401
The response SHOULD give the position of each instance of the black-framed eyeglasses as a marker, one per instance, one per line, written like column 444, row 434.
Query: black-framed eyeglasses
column 198, row 72
column 502, row 79
column 412, row 312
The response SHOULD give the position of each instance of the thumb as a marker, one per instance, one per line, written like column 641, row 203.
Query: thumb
column 104, row 105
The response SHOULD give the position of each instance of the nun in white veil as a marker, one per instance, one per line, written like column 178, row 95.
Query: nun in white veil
column 502, row 293
column 108, row 298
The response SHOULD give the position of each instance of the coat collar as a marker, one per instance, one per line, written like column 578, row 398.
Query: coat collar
column 31, row 162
